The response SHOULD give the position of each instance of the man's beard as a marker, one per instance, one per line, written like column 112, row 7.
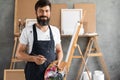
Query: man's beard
column 43, row 22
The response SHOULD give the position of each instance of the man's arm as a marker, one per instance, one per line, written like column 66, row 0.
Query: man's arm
column 59, row 52
column 22, row 54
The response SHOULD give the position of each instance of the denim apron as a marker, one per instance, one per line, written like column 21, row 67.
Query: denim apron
column 45, row 48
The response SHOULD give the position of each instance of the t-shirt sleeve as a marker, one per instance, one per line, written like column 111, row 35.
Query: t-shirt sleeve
column 58, row 38
column 23, row 37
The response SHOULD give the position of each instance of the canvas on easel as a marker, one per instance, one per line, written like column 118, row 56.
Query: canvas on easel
column 69, row 20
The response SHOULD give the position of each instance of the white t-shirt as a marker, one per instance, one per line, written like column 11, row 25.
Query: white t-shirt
column 27, row 36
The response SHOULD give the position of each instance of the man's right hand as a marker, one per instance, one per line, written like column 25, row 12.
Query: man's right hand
column 39, row 59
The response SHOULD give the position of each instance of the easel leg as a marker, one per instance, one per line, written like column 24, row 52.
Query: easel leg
column 101, row 60
column 84, row 59
column 84, row 62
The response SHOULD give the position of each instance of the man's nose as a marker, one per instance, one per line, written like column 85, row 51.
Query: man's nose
column 44, row 13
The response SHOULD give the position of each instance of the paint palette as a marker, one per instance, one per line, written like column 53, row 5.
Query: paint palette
column 52, row 72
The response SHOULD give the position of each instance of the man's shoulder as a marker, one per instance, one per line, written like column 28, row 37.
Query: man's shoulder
column 27, row 29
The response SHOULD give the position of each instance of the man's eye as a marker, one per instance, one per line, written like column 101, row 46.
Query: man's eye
column 40, row 11
column 46, row 10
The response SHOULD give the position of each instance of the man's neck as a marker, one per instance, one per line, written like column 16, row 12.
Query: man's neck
column 42, row 28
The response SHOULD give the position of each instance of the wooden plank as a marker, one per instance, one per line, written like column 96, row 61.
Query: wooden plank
column 56, row 14
column 90, row 17
column 101, row 60
column 89, row 55
column 23, row 9
column 14, row 51
column 16, row 60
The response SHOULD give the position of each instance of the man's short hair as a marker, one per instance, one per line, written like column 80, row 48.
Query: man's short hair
column 42, row 3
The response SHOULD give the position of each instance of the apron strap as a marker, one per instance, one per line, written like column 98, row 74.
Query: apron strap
column 34, row 33
column 51, row 35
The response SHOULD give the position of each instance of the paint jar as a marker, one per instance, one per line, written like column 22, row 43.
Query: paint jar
column 86, row 76
column 98, row 75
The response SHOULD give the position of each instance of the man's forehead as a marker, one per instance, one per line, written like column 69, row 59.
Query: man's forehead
column 44, row 8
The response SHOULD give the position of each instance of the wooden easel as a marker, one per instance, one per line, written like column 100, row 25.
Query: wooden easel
column 91, row 50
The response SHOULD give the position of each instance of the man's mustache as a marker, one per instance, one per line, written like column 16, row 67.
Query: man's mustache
column 43, row 17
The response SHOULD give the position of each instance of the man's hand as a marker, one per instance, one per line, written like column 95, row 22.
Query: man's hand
column 39, row 59
column 58, row 64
